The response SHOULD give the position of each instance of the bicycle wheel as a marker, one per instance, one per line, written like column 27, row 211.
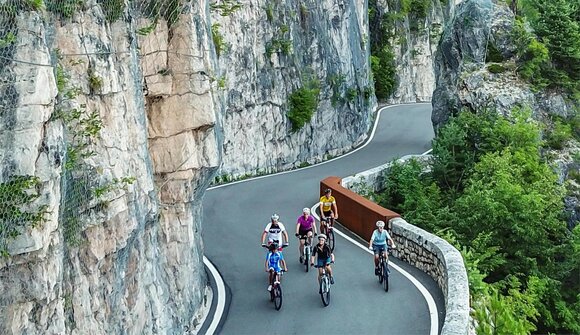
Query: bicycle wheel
column 330, row 237
column 385, row 275
column 307, row 257
column 380, row 275
column 325, row 290
column 277, row 297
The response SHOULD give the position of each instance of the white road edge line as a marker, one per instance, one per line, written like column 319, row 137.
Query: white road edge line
column 430, row 301
column 369, row 139
column 221, row 296
column 219, row 280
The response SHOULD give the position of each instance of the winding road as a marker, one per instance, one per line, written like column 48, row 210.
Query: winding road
column 234, row 218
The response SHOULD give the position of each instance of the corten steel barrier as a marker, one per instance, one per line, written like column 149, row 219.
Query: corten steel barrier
column 356, row 212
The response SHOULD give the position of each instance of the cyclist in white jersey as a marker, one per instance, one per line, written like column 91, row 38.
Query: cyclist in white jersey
column 275, row 232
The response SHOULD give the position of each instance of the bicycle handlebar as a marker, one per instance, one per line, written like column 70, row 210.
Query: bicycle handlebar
column 316, row 266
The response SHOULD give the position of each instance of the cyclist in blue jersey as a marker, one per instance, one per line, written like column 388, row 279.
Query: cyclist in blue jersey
column 378, row 243
column 274, row 263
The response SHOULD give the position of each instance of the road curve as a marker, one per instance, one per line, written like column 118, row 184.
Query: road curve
column 234, row 216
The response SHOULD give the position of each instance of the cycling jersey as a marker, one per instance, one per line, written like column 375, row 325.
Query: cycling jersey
column 273, row 260
column 327, row 203
column 380, row 238
column 323, row 253
column 274, row 232
column 305, row 223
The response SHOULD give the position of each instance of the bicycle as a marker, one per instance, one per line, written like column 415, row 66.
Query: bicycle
column 324, row 285
column 328, row 230
column 307, row 250
column 276, row 292
column 384, row 269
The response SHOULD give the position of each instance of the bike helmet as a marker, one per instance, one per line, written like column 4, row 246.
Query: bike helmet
column 306, row 210
column 321, row 236
column 273, row 246
column 380, row 224
column 327, row 191
column 275, row 217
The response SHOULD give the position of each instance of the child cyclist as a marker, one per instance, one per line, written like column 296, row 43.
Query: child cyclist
column 274, row 264
column 325, row 257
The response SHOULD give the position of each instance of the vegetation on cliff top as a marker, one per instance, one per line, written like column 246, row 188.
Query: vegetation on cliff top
column 491, row 194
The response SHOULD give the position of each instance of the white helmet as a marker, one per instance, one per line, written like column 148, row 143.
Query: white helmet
column 380, row 224
column 275, row 217
column 306, row 210
column 321, row 236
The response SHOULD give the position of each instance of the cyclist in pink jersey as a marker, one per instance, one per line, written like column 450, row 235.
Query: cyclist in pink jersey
column 304, row 228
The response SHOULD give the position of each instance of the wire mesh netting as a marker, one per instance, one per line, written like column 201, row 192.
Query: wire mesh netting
column 58, row 60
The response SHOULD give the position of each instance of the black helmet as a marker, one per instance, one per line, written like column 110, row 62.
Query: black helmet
column 273, row 246
column 327, row 191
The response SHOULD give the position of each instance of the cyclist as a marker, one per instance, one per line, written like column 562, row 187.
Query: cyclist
column 274, row 259
column 328, row 209
column 304, row 228
column 274, row 232
column 378, row 243
column 325, row 257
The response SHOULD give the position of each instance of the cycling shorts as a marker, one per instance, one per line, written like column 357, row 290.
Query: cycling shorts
column 322, row 262
column 303, row 232
column 276, row 268
column 377, row 248
column 327, row 215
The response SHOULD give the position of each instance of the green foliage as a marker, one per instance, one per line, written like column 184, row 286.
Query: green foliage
column 35, row 4
column 113, row 9
column 491, row 195
column 555, row 28
column 61, row 79
column 351, row 93
column 498, row 313
column 496, row 68
column 7, row 40
column 218, row 39
column 384, row 73
column 170, row 10
column 225, row 7
column 493, row 55
column 270, row 12
column 95, row 82
column 303, row 103
column 147, row 29
column 65, row 8
column 16, row 197
column 558, row 135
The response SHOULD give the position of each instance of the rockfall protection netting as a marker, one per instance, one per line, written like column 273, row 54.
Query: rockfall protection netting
column 55, row 59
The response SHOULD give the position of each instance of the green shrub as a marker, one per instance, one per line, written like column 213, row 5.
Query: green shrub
column 351, row 94
column 303, row 103
column 113, row 9
column 270, row 12
column 493, row 54
column 225, row 7
column 559, row 135
column 95, row 82
column 496, row 68
column 15, row 194
column 218, row 39
column 65, row 8
column 384, row 73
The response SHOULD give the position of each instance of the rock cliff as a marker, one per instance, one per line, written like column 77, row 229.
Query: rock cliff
column 468, row 78
column 114, row 125
column 268, row 51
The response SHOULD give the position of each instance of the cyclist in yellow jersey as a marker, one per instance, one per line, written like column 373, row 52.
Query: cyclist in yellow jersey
column 328, row 209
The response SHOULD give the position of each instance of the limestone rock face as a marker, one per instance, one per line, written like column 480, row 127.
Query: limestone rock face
column 119, row 249
column 464, row 80
column 269, row 50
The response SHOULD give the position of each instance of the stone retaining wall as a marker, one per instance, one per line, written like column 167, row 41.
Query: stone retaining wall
column 425, row 251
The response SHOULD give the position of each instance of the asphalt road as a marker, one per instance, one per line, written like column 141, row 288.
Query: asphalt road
column 235, row 216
